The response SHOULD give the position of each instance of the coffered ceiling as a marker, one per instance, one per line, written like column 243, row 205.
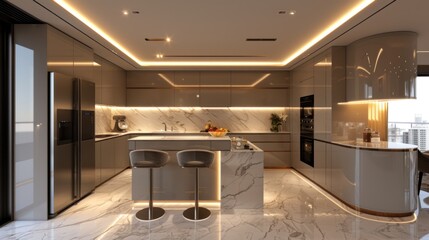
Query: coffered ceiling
column 201, row 34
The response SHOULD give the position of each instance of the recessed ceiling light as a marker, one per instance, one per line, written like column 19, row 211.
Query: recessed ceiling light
column 292, row 12
column 168, row 39
column 125, row 12
column 159, row 55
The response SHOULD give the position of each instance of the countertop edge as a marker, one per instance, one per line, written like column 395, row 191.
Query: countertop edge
column 371, row 148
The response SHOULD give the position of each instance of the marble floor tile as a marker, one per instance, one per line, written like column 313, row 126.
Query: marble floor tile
column 293, row 209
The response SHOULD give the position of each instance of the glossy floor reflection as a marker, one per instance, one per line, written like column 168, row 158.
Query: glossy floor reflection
column 293, row 210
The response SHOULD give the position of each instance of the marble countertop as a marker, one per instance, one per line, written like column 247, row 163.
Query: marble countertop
column 169, row 133
column 383, row 145
column 179, row 138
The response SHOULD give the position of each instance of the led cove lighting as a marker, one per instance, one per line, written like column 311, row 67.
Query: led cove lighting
column 312, row 42
column 83, row 64
column 328, row 30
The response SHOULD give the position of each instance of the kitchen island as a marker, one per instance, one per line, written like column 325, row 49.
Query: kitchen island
column 235, row 178
column 374, row 178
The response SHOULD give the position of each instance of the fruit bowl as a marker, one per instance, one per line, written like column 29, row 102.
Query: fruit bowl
column 218, row 134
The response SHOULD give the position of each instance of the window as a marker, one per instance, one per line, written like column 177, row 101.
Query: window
column 408, row 120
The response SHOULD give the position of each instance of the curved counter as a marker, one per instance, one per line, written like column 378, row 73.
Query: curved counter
column 375, row 178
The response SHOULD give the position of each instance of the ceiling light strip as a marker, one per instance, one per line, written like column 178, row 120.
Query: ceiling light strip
column 95, row 28
column 296, row 54
column 329, row 30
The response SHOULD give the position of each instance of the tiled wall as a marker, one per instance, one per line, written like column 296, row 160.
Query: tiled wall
column 187, row 119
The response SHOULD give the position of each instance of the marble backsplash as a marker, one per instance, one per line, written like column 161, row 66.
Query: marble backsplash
column 187, row 119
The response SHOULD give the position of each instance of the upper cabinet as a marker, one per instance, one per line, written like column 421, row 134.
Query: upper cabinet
column 69, row 56
column 112, row 83
column 208, row 88
column 83, row 59
column 60, row 52
column 215, row 89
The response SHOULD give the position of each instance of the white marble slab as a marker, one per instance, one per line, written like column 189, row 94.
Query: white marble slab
column 242, row 177
column 186, row 119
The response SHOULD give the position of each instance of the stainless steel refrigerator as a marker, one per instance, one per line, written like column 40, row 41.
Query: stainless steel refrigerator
column 71, row 140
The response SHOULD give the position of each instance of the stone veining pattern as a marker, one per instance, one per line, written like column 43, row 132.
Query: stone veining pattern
column 292, row 210
column 242, row 179
column 186, row 119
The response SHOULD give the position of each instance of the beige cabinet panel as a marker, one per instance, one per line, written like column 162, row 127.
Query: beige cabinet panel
column 113, row 88
column 83, row 61
column 215, row 97
column 186, row 79
column 247, row 78
column 98, row 77
column 149, row 79
column 121, row 154
column 107, row 149
column 250, row 97
column 320, row 163
column 59, row 52
column 186, row 97
column 213, row 78
column 97, row 174
column 150, row 97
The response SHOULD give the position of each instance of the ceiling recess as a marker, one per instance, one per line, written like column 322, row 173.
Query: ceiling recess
column 261, row 39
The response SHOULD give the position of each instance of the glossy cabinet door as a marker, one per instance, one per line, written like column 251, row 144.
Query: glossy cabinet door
column 97, row 175
column 276, row 147
column 215, row 89
column 98, row 79
column 249, row 97
column 83, row 61
column 113, row 88
column 320, row 163
column 150, row 97
column 186, row 89
column 108, row 165
column 60, row 52
column 121, row 153
column 150, row 79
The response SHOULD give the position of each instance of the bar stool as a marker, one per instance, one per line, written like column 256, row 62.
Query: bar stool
column 195, row 158
column 148, row 158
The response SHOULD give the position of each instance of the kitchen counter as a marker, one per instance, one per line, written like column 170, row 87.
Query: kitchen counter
column 118, row 134
column 235, row 179
column 375, row 178
column 383, row 145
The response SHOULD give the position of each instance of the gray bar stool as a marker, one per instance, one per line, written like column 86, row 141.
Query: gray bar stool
column 147, row 158
column 195, row 158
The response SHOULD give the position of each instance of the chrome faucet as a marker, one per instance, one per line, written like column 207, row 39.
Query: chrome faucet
column 165, row 126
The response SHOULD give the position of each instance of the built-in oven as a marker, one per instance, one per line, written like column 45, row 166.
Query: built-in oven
column 307, row 129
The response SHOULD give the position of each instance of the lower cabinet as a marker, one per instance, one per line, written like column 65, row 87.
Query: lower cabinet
column 111, row 157
column 276, row 147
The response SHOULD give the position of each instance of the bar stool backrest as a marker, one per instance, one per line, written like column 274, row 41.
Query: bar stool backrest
column 148, row 158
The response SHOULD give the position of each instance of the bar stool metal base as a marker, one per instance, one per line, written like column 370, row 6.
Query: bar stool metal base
column 203, row 213
column 143, row 215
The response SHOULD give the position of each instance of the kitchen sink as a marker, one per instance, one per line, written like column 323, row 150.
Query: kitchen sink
column 106, row 135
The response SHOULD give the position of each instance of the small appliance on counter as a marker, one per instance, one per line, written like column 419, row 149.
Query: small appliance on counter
column 120, row 123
